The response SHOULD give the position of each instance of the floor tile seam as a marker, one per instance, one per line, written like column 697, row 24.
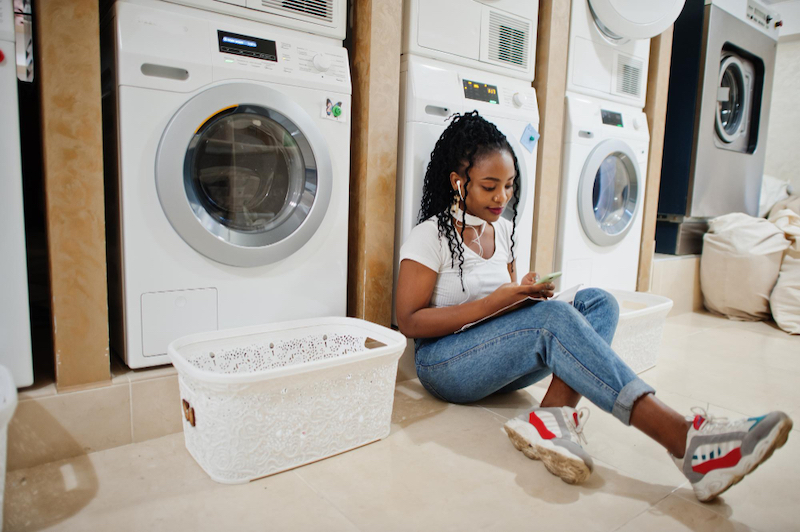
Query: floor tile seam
column 326, row 499
column 130, row 400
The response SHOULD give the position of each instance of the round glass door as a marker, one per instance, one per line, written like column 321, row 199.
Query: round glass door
column 608, row 193
column 731, row 99
column 245, row 184
column 249, row 176
column 621, row 20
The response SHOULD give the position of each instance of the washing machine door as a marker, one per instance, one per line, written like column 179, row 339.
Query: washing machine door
column 608, row 192
column 733, row 95
column 620, row 20
column 243, row 174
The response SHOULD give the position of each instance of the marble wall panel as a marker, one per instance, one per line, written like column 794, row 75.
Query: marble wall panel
column 69, row 67
column 375, row 56
column 656, row 110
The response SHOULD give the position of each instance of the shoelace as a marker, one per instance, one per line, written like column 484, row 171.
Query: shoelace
column 577, row 428
column 710, row 419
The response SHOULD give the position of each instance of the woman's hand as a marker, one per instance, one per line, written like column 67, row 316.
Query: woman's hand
column 510, row 293
column 545, row 290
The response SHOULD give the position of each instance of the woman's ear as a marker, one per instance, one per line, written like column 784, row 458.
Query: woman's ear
column 454, row 179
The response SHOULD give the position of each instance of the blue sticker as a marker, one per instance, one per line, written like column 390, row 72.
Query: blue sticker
column 529, row 137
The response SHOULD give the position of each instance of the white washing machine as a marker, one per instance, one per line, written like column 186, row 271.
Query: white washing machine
column 327, row 18
column 430, row 93
column 15, row 325
column 609, row 46
column 602, row 192
column 230, row 207
column 492, row 35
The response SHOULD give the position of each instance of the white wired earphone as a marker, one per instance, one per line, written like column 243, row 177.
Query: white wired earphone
column 471, row 221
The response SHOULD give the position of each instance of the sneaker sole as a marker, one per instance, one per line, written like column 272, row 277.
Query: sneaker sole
column 570, row 469
column 721, row 481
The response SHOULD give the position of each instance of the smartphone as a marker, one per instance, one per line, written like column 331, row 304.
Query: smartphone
column 549, row 278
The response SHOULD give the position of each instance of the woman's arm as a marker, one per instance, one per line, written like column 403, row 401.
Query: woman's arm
column 415, row 285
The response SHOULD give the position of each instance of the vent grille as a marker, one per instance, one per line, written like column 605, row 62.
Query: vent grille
column 314, row 9
column 629, row 76
column 508, row 40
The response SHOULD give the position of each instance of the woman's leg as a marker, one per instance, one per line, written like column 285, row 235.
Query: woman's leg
column 601, row 310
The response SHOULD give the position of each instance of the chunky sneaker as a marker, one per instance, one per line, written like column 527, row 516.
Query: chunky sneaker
column 719, row 453
column 553, row 435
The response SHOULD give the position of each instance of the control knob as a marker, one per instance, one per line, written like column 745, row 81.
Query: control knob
column 321, row 63
column 519, row 99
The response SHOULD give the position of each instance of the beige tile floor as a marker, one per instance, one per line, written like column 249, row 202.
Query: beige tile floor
column 447, row 467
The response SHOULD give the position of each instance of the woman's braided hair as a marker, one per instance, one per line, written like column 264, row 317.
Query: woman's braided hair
column 468, row 138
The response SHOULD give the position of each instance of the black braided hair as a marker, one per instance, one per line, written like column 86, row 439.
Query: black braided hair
column 468, row 138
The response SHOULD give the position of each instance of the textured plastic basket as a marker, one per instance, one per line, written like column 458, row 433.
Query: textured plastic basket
column 261, row 400
column 641, row 324
column 8, row 403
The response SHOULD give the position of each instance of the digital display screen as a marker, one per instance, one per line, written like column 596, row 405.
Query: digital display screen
column 611, row 118
column 233, row 43
column 480, row 91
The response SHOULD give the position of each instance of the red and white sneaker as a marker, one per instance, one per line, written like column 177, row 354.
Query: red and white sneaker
column 554, row 435
column 719, row 453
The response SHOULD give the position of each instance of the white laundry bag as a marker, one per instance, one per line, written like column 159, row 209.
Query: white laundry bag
column 773, row 190
column 785, row 299
column 740, row 264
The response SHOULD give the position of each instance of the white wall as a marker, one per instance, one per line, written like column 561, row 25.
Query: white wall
column 783, row 137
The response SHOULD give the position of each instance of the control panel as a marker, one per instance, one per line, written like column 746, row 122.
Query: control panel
column 308, row 60
column 761, row 17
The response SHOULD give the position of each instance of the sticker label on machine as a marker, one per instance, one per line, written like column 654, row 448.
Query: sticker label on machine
column 529, row 138
column 332, row 109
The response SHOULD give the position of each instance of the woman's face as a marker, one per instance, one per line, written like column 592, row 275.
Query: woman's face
column 491, row 185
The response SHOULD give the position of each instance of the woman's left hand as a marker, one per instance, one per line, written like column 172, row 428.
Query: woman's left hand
column 545, row 290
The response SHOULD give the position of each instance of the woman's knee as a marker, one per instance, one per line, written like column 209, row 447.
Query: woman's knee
column 597, row 298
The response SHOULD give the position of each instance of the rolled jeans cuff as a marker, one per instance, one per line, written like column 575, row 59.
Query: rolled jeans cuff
column 629, row 394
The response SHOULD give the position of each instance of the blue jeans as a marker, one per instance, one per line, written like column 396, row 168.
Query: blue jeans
column 524, row 346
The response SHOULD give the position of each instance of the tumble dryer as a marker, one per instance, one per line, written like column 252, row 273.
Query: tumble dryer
column 327, row 18
column 230, row 141
column 493, row 35
column 723, row 61
column 430, row 93
column 609, row 46
column 602, row 191
column 15, row 325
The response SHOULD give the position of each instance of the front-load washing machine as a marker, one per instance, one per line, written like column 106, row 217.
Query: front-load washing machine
column 492, row 35
column 230, row 202
column 723, row 61
column 15, row 324
column 609, row 46
column 430, row 93
column 602, row 191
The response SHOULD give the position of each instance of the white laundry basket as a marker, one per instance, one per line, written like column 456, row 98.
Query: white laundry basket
column 261, row 400
column 8, row 403
column 641, row 323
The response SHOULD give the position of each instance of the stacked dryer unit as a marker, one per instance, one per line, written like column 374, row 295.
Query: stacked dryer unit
column 723, row 61
column 15, row 325
column 606, row 140
column 460, row 56
column 227, row 172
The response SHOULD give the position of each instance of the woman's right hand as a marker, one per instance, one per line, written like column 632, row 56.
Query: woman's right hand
column 510, row 293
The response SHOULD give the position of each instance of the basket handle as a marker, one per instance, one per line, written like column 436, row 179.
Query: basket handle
column 188, row 412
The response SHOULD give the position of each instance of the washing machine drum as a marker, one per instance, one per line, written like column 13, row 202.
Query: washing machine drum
column 245, row 184
column 733, row 95
column 608, row 192
column 620, row 20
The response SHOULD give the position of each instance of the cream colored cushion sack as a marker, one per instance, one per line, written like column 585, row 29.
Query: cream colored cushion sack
column 740, row 264
column 785, row 299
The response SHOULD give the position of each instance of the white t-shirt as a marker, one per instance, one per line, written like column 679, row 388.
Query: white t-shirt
column 481, row 276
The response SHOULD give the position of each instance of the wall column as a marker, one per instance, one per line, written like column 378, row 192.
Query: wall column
column 375, row 57
column 656, row 110
column 550, row 85
column 69, row 66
